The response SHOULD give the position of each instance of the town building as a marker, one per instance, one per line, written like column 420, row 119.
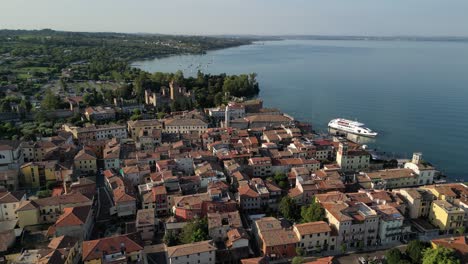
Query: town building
column 391, row 228
column 145, row 127
column 146, row 223
column 116, row 249
column 447, row 217
column 75, row 222
column 193, row 253
column 11, row 155
column 424, row 170
column 273, row 240
column 85, row 162
column 419, row 201
column 99, row 113
column 356, row 224
column 314, row 237
column 185, row 126
column 354, row 159
column 9, row 202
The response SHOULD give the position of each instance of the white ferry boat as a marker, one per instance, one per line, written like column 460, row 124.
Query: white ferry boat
column 352, row 127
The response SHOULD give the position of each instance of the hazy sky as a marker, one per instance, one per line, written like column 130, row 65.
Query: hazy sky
column 327, row 17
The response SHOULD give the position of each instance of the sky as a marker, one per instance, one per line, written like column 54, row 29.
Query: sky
column 259, row 17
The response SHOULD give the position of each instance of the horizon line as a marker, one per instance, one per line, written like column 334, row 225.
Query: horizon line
column 248, row 34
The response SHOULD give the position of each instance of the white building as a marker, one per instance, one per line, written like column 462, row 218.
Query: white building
column 314, row 236
column 9, row 202
column 390, row 224
column 193, row 253
column 11, row 156
column 352, row 160
column 185, row 125
column 424, row 171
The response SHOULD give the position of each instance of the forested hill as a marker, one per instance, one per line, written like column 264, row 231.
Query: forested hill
column 121, row 45
column 103, row 56
column 57, row 49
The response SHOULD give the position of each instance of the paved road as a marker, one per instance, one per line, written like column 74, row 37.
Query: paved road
column 104, row 203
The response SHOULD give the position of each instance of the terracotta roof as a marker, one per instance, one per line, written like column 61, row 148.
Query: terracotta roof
column 331, row 197
column 279, row 237
column 231, row 219
column 459, row 244
column 94, row 249
column 268, row 118
column 62, row 242
column 236, row 234
column 11, row 197
column 72, row 198
column 392, row 174
column 312, row 228
column 294, row 192
column 120, row 196
column 73, row 216
column 388, row 213
column 247, row 191
column 185, row 122
column 85, row 154
column 27, row 205
column 190, row 249
column 145, row 217
column 268, row 223
column 143, row 123
column 259, row 260
column 53, row 257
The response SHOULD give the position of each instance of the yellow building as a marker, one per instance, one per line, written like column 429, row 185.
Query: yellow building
column 28, row 213
column 442, row 192
column 85, row 162
column 135, row 127
column 446, row 216
column 37, row 174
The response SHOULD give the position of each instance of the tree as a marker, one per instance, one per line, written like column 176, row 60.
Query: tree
column 289, row 209
column 439, row 255
column 171, row 238
column 393, row 256
column 312, row 212
column 299, row 251
column 415, row 249
column 136, row 115
column 195, row 231
column 93, row 98
column 460, row 230
column 219, row 98
column 50, row 101
column 297, row 260
column 44, row 193
column 281, row 179
column 343, row 248
column 161, row 115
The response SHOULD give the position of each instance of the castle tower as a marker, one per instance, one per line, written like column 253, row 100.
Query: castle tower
column 417, row 157
column 174, row 90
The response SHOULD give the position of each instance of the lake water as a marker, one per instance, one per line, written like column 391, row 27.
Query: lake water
column 415, row 94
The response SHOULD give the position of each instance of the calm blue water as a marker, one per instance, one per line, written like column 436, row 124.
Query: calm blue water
column 414, row 93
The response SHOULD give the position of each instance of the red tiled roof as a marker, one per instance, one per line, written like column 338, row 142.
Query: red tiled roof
column 246, row 191
column 94, row 249
column 73, row 216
